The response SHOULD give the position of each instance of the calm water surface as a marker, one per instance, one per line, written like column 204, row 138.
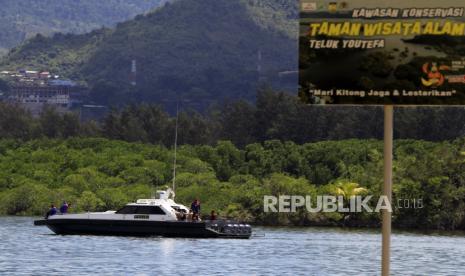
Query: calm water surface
column 29, row 250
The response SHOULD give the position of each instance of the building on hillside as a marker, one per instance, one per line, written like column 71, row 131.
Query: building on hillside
column 32, row 74
column 34, row 98
column 44, row 75
column 34, row 89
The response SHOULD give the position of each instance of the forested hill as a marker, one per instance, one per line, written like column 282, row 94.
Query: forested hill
column 23, row 19
column 200, row 50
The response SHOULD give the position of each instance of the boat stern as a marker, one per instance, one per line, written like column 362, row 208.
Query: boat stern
column 230, row 229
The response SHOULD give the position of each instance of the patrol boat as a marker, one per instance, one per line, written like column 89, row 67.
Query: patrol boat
column 160, row 216
column 146, row 217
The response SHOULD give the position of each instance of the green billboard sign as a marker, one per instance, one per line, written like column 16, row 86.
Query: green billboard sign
column 365, row 52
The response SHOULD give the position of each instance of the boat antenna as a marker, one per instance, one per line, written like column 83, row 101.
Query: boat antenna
column 175, row 149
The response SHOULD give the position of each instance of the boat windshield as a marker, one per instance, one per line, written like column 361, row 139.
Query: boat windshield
column 178, row 209
column 141, row 210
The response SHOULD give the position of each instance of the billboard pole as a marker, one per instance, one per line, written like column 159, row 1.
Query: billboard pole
column 387, row 188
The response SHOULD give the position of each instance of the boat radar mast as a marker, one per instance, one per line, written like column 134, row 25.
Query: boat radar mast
column 175, row 151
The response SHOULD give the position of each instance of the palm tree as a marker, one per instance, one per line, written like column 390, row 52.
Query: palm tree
column 348, row 189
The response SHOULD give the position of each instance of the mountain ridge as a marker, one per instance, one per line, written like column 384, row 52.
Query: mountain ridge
column 199, row 50
column 20, row 20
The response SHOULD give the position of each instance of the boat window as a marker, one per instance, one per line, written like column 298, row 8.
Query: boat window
column 150, row 210
column 178, row 209
column 127, row 210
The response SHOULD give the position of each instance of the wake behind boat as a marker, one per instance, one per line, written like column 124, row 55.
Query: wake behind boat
column 146, row 217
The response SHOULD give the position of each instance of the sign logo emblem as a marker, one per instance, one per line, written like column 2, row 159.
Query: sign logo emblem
column 332, row 7
column 434, row 76
column 309, row 7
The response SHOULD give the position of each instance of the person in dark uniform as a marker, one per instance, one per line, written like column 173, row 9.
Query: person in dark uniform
column 64, row 208
column 51, row 212
column 195, row 207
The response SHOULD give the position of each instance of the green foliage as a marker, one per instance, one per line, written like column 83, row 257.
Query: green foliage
column 88, row 201
column 281, row 15
column 28, row 198
column 98, row 174
column 113, row 198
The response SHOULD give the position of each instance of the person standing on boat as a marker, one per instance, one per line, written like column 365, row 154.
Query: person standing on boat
column 195, row 207
column 64, row 208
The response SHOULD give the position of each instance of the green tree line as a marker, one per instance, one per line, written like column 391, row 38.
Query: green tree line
column 100, row 174
column 274, row 116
